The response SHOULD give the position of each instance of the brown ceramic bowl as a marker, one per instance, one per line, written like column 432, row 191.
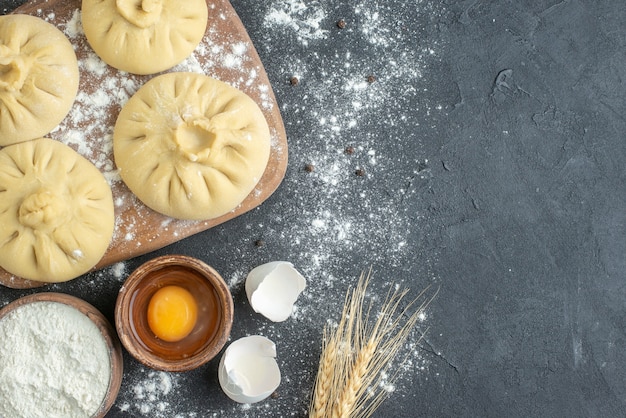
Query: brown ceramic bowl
column 211, row 330
column 105, row 328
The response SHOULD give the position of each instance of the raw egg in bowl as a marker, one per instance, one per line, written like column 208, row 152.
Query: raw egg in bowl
column 174, row 313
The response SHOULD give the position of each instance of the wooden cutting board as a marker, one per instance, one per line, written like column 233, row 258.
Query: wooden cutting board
column 226, row 53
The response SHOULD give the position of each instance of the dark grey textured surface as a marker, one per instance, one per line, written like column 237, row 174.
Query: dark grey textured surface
column 493, row 143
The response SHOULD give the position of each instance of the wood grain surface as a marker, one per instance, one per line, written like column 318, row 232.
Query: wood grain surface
column 140, row 230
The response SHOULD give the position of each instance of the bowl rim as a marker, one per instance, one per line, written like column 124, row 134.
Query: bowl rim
column 107, row 331
column 123, row 312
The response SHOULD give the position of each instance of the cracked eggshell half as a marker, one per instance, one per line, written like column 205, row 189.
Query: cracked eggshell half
column 248, row 371
column 273, row 288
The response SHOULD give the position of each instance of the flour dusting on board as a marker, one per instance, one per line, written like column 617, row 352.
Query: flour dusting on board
column 103, row 92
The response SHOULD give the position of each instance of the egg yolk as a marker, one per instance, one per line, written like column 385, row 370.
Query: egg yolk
column 172, row 313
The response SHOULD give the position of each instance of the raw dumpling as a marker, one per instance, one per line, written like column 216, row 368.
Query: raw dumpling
column 144, row 36
column 38, row 78
column 56, row 211
column 190, row 146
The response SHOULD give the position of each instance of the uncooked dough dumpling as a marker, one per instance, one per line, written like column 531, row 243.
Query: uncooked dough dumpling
column 190, row 146
column 56, row 211
column 38, row 78
column 144, row 36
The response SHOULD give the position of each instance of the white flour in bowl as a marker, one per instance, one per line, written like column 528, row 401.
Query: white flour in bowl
column 54, row 362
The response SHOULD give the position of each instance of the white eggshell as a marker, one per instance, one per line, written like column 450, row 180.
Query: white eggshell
column 273, row 288
column 248, row 371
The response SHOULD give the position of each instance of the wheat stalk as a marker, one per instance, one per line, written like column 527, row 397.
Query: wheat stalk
column 334, row 355
column 356, row 352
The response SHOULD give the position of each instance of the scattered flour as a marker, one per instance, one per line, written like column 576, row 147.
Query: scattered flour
column 73, row 28
column 352, row 195
column 154, row 394
column 118, row 270
column 340, row 91
column 302, row 19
